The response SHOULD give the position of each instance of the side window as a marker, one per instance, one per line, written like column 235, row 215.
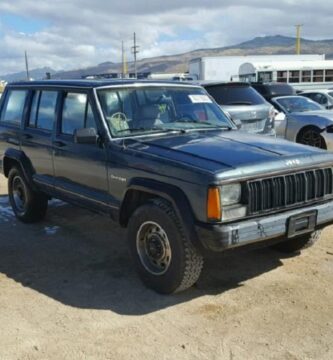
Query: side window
column 90, row 119
column 76, row 113
column 46, row 110
column 13, row 106
column 34, row 109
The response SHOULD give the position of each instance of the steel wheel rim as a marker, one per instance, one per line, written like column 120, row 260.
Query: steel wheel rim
column 153, row 248
column 312, row 138
column 19, row 194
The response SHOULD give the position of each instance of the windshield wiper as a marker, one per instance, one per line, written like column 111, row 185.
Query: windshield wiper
column 239, row 103
column 206, row 125
column 150, row 129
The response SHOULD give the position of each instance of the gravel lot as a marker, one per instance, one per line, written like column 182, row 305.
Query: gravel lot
column 68, row 291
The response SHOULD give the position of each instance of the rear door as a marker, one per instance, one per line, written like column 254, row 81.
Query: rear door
column 80, row 169
column 37, row 135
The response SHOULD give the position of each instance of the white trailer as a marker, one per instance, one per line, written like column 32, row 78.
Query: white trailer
column 226, row 68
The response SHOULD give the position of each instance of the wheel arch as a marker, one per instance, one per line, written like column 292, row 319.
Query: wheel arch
column 141, row 190
column 309, row 127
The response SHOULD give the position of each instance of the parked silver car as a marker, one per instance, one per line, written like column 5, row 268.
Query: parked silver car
column 247, row 108
column 304, row 121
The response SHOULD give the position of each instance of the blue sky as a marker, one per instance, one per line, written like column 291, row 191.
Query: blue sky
column 22, row 24
column 68, row 34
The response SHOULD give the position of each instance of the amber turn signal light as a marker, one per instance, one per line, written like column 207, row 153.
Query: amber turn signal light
column 214, row 211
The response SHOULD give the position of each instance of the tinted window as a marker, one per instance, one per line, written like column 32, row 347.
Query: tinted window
column 90, row 120
column 317, row 97
column 13, row 107
column 235, row 95
column 46, row 110
column 76, row 114
column 34, row 109
column 272, row 90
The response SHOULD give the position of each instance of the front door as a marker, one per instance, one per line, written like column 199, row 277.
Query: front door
column 80, row 169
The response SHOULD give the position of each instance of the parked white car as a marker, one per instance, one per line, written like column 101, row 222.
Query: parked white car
column 323, row 97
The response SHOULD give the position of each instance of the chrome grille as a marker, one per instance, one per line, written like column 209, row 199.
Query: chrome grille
column 288, row 190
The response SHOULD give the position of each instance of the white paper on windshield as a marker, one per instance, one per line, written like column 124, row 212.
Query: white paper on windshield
column 197, row 99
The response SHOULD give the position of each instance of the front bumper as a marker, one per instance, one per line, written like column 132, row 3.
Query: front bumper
column 223, row 237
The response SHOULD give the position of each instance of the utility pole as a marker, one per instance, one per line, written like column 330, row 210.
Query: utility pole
column 123, row 57
column 26, row 65
column 134, row 52
column 298, row 38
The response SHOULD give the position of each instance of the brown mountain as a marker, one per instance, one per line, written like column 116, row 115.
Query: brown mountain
column 179, row 63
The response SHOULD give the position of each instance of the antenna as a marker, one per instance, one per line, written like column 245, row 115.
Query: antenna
column 134, row 52
column 26, row 65
column 298, row 38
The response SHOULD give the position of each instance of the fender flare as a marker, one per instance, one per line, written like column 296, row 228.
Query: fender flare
column 173, row 195
column 25, row 164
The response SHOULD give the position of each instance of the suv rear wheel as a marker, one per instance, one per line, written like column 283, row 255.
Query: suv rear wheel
column 29, row 206
column 165, row 258
column 299, row 243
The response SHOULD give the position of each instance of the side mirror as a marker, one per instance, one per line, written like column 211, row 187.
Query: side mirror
column 85, row 136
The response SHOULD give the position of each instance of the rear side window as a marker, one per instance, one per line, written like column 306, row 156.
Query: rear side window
column 235, row 95
column 76, row 113
column 43, row 107
column 13, row 106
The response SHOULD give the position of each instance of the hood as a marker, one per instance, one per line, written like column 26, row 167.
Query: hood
column 322, row 115
column 219, row 150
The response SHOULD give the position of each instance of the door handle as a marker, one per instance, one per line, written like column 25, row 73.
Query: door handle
column 27, row 136
column 59, row 143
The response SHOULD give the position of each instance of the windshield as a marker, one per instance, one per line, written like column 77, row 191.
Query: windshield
column 144, row 110
column 235, row 94
column 292, row 104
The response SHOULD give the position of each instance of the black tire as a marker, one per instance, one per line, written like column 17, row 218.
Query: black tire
column 311, row 136
column 165, row 258
column 299, row 243
column 29, row 206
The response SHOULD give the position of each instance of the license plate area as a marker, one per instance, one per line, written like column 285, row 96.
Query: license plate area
column 302, row 223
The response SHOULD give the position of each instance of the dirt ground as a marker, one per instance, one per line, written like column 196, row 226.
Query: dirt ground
column 68, row 291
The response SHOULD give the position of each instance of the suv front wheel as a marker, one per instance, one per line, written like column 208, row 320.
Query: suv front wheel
column 165, row 258
column 28, row 205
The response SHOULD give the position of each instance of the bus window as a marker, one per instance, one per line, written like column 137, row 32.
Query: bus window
column 328, row 75
column 294, row 76
column 281, row 76
column 265, row 76
column 318, row 75
column 306, row 76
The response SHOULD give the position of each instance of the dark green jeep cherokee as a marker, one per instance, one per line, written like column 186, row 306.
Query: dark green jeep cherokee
column 164, row 161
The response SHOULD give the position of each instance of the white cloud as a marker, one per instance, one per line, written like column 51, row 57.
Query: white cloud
column 79, row 33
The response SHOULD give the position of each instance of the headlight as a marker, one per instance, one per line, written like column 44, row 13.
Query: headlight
column 230, row 194
column 224, row 202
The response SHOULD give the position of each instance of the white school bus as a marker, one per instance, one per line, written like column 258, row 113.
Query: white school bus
column 302, row 75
